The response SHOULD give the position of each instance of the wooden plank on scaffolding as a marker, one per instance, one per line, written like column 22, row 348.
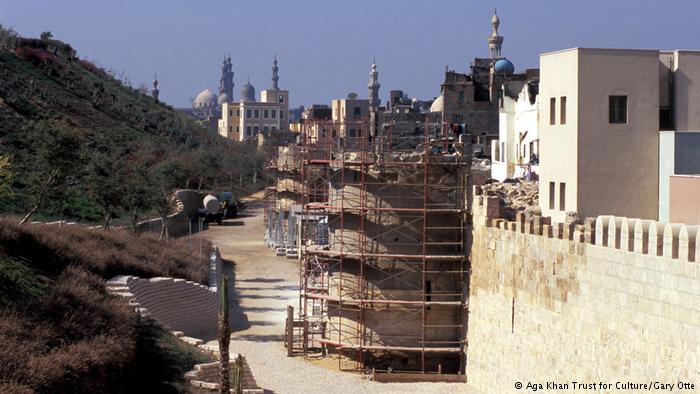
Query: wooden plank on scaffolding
column 418, row 377
column 405, row 348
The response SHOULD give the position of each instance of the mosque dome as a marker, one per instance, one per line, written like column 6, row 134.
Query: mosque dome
column 504, row 66
column 223, row 98
column 437, row 104
column 495, row 20
column 248, row 92
column 204, row 99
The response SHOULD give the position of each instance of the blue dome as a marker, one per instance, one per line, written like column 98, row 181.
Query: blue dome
column 504, row 66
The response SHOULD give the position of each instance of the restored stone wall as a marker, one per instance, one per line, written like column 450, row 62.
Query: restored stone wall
column 614, row 299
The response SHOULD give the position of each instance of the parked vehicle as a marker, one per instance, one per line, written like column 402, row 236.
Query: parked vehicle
column 212, row 211
column 229, row 206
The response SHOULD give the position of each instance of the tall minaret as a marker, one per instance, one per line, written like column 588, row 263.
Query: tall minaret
column 373, row 87
column 226, row 82
column 155, row 90
column 495, row 40
column 275, row 75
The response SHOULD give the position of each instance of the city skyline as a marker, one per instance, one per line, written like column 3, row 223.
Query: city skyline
column 325, row 50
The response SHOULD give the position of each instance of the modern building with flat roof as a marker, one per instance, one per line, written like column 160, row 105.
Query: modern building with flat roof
column 601, row 115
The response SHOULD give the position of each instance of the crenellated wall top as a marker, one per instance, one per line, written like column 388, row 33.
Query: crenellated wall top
column 671, row 240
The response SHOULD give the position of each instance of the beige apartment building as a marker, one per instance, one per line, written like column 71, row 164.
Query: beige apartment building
column 601, row 115
column 247, row 118
column 349, row 114
column 244, row 120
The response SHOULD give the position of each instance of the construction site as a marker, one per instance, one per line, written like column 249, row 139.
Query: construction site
column 377, row 219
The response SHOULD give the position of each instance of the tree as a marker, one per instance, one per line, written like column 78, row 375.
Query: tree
column 165, row 177
column 46, row 35
column 224, row 337
column 54, row 157
column 5, row 176
column 105, row 182
column 139, row 193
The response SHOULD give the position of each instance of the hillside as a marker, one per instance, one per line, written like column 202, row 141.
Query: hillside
column 61, row 332
column 82, row 145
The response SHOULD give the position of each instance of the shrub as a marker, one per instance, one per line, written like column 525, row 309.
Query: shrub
column 104, row 253
column 36, row 55
column 75, row 337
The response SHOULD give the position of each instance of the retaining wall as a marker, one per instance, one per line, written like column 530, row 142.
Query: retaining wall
column 613, row 299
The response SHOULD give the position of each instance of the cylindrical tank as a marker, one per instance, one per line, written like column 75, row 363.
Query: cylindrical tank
column 211, row 204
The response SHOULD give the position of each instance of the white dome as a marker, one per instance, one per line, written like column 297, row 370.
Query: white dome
column 437, row 104
column 204, row 99
column 223, row 98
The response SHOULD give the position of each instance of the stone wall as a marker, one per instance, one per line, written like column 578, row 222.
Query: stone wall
column 612, row 299
column 186, row 204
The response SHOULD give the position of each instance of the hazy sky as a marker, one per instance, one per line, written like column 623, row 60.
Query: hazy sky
column 325, row 47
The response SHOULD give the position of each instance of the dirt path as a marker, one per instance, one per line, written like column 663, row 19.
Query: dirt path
column 263, row 286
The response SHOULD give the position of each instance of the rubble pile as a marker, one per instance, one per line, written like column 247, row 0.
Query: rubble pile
column 481, row 166
column 515, row 196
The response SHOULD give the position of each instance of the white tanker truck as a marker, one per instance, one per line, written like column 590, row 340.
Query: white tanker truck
column 212, row 211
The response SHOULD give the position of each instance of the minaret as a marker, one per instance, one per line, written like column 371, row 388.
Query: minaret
column 155, row 90
column 275, row 75
column 495, row 40
column 226, row 82
column 373, row 87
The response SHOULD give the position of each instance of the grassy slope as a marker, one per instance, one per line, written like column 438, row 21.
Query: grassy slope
column 19, row 282
column 78, row 95
column 68, row 92
column 59, row 327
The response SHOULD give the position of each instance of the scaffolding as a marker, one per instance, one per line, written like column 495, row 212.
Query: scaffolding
column 382, row 245
column 282, row 202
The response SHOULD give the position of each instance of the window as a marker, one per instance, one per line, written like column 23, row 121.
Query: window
column 281, row 97
column 665, row 118
column 357, row 112
column 230, row 129
column 248, row 131
column 552, row 188
column 461, row 95
column 256, row 129
column 562, row 110
column 266, row 113
column 503, row 151
column 281, row 114
column 247, row 113
column 238, row 129
column 562, row 196
column 273, row 113
column 351, row 133
column 256, row 114
column 553, row 110
column 266, row 129
column 457, row 119
column 618, row 109
column 238, row 112
column 230, row 112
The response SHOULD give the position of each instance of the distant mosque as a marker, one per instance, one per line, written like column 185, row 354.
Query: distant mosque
column 247, row 118
column 207, row 106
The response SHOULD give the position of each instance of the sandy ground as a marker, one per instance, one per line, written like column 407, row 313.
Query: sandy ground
column 264, row 285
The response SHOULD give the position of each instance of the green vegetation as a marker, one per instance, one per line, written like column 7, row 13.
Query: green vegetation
column 77, row 143
column 19, row 283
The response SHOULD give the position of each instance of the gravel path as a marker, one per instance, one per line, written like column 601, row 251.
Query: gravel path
column 264, row 285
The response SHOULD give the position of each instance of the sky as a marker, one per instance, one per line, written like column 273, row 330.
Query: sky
column 325, row 47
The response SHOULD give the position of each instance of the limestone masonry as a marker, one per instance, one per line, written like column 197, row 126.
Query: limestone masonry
column 612, row 299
